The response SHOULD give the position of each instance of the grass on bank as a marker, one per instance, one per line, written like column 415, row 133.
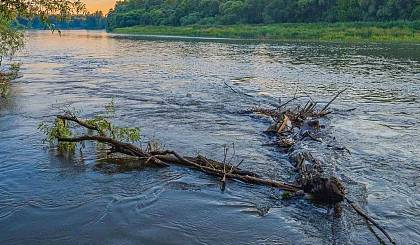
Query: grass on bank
column 397, row 31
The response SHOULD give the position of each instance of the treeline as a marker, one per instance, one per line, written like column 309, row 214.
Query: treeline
column 225, row 12
column 90, row 21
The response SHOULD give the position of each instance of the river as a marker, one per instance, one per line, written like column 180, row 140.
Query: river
column 174, row 90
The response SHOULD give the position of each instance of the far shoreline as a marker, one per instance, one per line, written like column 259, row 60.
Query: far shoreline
column 398, row 31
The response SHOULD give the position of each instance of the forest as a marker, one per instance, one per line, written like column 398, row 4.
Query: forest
column 89, row 21
column 227, row 12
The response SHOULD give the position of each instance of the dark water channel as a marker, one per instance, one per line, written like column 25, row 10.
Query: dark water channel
column 174, row 90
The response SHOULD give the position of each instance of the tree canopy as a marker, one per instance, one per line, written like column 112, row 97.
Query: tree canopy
column 89, row 21
column 42, row 8
column 11, row 39
column 208, row 12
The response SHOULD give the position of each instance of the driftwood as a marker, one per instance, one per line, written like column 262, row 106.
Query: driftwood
column 373, row 222
column 292, row 126
column 167, row 157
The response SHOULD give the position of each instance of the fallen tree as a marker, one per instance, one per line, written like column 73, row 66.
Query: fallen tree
column 292, row 126
column 61, row 132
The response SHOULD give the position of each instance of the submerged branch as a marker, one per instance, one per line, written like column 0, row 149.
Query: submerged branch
column 368, row 218
column 291, row 126
column 323, row 110
column 78, row 121
column 166, row 158
column 305, row 120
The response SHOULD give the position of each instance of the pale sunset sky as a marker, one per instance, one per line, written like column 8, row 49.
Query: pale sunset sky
column 104, row 5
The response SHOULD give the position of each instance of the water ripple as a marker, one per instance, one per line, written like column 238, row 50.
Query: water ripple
column 175, row 91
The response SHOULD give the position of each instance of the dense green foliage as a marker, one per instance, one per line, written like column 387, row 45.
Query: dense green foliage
column 5, row 77
column 90, row 21
column 102, row 122
column 11, row 39
column 226, row 12
column 42, row 8
column 400, row 31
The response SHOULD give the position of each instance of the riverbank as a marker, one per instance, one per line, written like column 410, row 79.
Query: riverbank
column 399, row 31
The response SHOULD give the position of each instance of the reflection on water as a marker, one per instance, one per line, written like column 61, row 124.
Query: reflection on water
column 175, row 91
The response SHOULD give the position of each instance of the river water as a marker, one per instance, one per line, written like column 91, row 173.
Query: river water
column 175, row 91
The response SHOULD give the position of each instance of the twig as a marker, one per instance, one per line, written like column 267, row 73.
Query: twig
column 292, row 99
column 209, row 163
column 76, row 120
column 236, row 91
column 239, row 164
column 373, row 222
column 307, row 134
column 331, row 101
column 308, row 96
column 233, row 154
column 226, row 149
column 230, row 87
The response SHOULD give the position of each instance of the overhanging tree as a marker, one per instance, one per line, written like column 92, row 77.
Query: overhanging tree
column 11, row 38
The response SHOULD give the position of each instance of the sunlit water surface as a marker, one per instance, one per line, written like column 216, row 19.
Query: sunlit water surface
column 175, row 91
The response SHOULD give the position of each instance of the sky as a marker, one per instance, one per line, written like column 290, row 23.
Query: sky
column 104, row 5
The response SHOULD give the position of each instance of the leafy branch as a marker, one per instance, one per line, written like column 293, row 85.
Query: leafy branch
column 63, row 125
